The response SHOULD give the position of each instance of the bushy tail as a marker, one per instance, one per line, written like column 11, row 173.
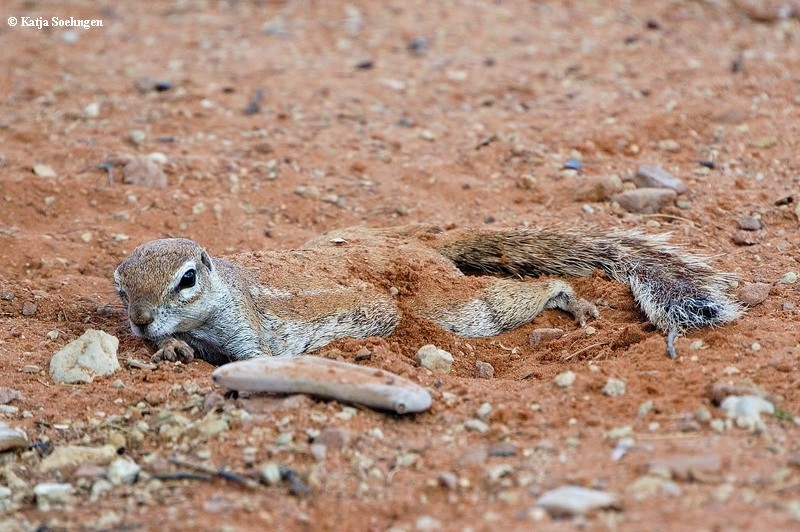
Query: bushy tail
column 676, row 291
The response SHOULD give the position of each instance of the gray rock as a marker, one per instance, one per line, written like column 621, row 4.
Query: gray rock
column 93, row 354
column 752, row 294
column 435, row 359
column 614, row 388
column 656, row 177
column 123, row 471
column 565, row 379
column 575, row 500
column 645, row 200
column 483, row 370
column 538, row 336
column 749, row 223
column 29, row 308
column 144, row 171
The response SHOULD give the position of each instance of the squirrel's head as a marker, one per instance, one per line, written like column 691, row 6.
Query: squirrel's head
column 164, row 284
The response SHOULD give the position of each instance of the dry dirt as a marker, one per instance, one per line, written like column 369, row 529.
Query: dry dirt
column 457, row 113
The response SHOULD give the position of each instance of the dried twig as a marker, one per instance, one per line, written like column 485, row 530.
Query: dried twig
column 579, row 351
column 219, row 473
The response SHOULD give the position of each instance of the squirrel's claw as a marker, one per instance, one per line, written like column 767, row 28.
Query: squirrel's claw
column 583, row 311
column 174, row 350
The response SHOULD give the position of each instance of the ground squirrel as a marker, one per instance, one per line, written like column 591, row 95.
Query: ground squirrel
column 348, row 283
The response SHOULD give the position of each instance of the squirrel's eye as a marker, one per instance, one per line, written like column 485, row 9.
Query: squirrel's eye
column 188, row 279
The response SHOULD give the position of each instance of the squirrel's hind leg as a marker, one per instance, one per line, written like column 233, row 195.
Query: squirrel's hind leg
column 505, row 304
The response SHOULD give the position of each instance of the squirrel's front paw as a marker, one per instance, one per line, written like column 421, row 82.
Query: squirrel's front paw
column 173, row 350
column 583, row 311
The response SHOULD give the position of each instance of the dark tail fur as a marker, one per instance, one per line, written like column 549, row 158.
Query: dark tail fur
column 676, row 291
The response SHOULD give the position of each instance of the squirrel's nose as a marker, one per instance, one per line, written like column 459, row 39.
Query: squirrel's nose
column 141, row 314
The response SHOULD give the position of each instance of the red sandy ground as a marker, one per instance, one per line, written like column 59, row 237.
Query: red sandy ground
column 500, row 90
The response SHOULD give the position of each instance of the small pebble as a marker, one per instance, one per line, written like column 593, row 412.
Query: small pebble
column 143, row 170
column 483, row 370
column 614, row 388
column 669, row 145
column 484, row 411
column 565, row 379
column 137, row 137
column 538, row 336
column 575, row 500
column 29, row 308
column 435, row 359
column 752, row 294
column 270, row 474
column 476, row 425
column 749, row 223
column 789, row 278
column 645, row 200
column 334, row 438
column 656, row 177
column 48, row 494
column 123, row 471
column 44, row 170
column 746, row 411
column 92, row 110
column 745, row 238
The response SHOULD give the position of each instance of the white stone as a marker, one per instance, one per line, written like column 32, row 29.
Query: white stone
column 52, row 493
column 575, row 500
column 746, row 411
column 92, row 110
column 614, row 388
column 70, row 456
column 93, row 354
column 565, row 379
column 435, row 359
column 123, row 471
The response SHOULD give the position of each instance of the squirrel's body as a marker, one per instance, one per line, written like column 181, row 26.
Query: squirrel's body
column 349, row 283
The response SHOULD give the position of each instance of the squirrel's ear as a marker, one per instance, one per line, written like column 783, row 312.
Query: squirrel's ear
column 206, row 259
